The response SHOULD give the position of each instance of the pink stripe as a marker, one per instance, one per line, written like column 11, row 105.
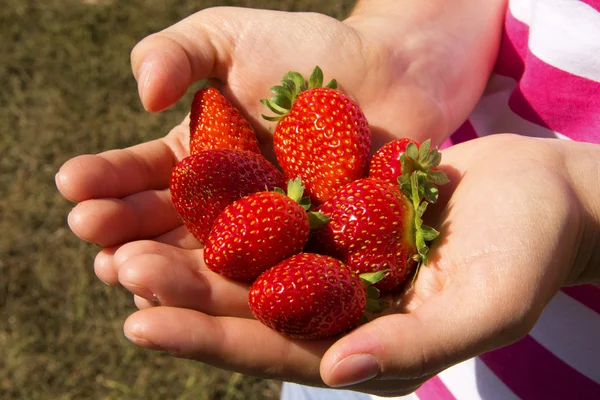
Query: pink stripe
column 513, row 48
column 588, row 295
column 558, row 100
column 592, row 3
column 464, row 133
column 532, row 372
column 434, row 389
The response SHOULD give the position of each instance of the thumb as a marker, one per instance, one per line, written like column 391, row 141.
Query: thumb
column 166, row 63
column 453, row 325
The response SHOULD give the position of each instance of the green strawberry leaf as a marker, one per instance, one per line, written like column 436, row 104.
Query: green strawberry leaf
column 332, row 84
column 305, row 203
column 282, row 102
column 316, row 78
column 317, row 219
column 273, row 107
column 429, row 234
column 373, row 292
column 295, row 189
column 292, row 84
column 376, row 306
column 424, row 151
column 431, row 191
column 371, row 278
column 271, row 118
column 412, row 151
column 299, row 81
column 434, row 159
column 437, row 177
column 281, row 91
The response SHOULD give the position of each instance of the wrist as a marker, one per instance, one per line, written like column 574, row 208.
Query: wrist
column 447, row 49
column 582, row 162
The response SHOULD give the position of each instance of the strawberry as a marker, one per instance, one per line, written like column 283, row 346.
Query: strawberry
column 385, row 163
column 322, row 136
column 203, row 184
column 258, row 231
column 310, row 296
column 375, row 225
column 370, row 229
column 216, row 124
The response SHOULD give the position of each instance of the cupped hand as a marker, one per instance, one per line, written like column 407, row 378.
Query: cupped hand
column 393, row 61
column 510, row 224
column 123, row 195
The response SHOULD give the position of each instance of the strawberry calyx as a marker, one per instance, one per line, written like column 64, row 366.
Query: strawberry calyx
column 374, row 304
column 418, row 182
column 424, row 161
column 295, row 190
column 292, row 84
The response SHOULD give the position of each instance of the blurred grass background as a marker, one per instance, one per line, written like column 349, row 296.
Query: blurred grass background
column 67, row 89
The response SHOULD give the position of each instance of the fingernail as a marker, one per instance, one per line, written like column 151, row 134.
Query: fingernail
column 143, row 342
column 72, row 219
column 354, row 369
column 142, row 292
column 144, row 77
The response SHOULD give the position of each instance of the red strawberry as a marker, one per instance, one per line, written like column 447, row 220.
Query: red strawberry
column 216, row 124
column 376, row 225
column 257, row 232
column 397, row 160
column 203, row 184
column 322, row 135
column 309, row 296
column 371, row 228
column 386, row 164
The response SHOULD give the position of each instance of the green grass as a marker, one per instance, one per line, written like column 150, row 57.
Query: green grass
column 67, row 89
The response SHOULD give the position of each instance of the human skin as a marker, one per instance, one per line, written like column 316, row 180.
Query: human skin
column 417, row 68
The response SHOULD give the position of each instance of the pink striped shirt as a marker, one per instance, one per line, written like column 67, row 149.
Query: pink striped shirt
column 546, row 83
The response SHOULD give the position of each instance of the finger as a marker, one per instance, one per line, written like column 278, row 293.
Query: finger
column 242, row 345
column 158, row 279
column 193, row 259
column 496, row 289
column 165, row 64
column 449, row 327
column 179, row 237
column 142, row 303
column 108, row 222
column 103, row 266
column 119, row 173
column 107, row 271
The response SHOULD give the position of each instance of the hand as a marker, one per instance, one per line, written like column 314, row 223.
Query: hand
column 513, row 227
column 398, row 71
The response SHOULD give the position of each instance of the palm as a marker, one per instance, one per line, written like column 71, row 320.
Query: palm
column 281, row 42
column 136, row 179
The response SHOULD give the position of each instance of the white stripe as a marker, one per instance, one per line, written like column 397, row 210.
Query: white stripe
column 472, row 379
column 493, row 115
column 570, row 331
column 522, row 10
column 566, row 35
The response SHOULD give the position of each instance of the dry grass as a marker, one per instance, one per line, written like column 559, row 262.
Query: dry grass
column 66, row 90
